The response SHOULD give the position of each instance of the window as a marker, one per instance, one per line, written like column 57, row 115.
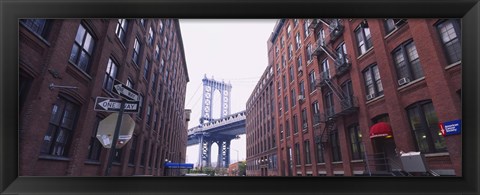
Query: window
column 157, row 52
column 321, row 37
column 304, row 119
column 392, row 24
column 282, row 42
column 450, row 34
column 284, row 62
column 336, row 153
column 24, row 84
column 130, row 83
column 295, row 124
column 149, row 110
column 301, row 88
column 291, row 73
column 279, row 87
column 306, row 23
column 342, row 55
column 142, row 22
column 287, row 128
column 279, row 108
column 299, row 64
column 133, row 149
column 297, row 154
column 320, row 157
column 95, row 147
column 154, row 82
column 140, row 112
column 110, row 75
column 151, row 36
column 37, row 26
column 121, row 29
column 373, row 83
column 57, row 139
column 407, row 63
column 293, row 98
column 298, row 40
column 136, row 51
column 364, row 38
column 425, row 129
column 356, row 142
column 315, row 113
column 329, row 107
column 295, row 22
column 325, row 69
column 144, row 153
column 160, row 24
column 281, row 132
column 309, row 53
column 285, row 103
column 290, row 52
column 82, row 49
column 306, row 149
column 284, row 82
column 348, row 92
column 289, row 30
column 311, row 78
column 145, row 69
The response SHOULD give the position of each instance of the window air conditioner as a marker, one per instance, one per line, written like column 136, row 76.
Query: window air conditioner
column 403, row 81
column 300, row 97
column 370, row 96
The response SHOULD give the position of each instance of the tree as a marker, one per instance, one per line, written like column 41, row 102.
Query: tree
column 242, row 168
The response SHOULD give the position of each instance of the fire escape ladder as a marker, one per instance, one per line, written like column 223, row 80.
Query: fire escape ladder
column 335, row 26
column 329, row 126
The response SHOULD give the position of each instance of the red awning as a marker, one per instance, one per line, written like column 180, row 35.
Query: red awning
column 381, row 129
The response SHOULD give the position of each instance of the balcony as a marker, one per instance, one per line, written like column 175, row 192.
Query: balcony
column 324, row 77
column 342, row 65
column 336, row 29
column 314, row 24
column 349, row 105
column 320, row 47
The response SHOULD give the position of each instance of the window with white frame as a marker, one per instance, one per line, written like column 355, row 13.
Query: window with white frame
column 450, row 34
column 82, row 49
column 364, row 38
column 121, row 30
column 407, row 63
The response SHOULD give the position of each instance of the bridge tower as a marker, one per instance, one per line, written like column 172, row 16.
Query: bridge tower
column 209, row 87
column 206, row 140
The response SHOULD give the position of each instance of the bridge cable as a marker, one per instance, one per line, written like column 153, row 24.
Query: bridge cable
column 200, row 84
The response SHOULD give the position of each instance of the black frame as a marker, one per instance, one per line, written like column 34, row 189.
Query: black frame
column 10, row 183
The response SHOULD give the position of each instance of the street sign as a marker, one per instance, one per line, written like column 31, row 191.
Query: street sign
column 125, row 91
column 451, row 127
column 113, row 105
column 106, row 129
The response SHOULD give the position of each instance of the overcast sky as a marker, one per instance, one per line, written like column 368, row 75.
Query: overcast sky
column 230, row 50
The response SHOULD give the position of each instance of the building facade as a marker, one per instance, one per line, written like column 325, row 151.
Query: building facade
column 260, row 131
column 65, row 65
column 349, row 91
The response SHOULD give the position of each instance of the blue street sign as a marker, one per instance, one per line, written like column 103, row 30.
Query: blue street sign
column 452, row 127
column 179, row 165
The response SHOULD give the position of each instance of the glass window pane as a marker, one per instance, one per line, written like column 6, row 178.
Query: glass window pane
column 79, row 36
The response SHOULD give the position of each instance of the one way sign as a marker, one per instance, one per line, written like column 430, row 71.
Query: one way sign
column 124, row 91
column 113, row 105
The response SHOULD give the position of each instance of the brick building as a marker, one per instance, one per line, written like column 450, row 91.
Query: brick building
column 260, row 121
column 65, row 64
column 351, row 90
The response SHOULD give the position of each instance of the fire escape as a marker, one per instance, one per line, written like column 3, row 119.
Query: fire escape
column 348, row 102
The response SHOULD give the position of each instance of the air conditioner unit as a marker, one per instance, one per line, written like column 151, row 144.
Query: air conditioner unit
column 370, row 96
column 403, row 81
column 300, row 98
